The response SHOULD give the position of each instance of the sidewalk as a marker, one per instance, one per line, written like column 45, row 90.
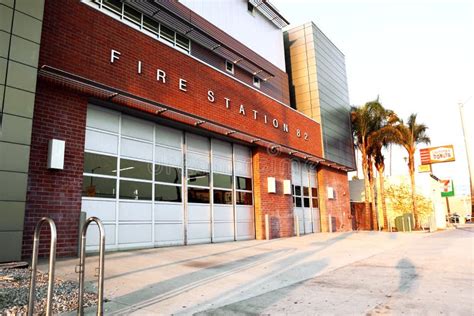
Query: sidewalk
column 196, row 278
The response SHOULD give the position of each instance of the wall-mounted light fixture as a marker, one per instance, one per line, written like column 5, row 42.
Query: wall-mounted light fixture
column 287, row 187
column 331, row 193
column 56, row 149
column 271, row 185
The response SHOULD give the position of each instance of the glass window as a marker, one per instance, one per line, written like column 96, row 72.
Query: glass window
column 243, row 198
column 167, row 193
column 256, row 82
column 167, row 174
column 196, row 195
column 150, row 24
column 243, row 183
column 114, row 5
column 222, row 181
column 298, row 202
column 135, row 169
column 200, row 178
column 306, row 202
column 305, row 191
column 222, row 197
column 229, row 66
column 314, row 192
column 132, row 14
column 297, row 190
column 98, row 187
column 100, row 164
column 135, row 190
column 167, row 34
column 182, row 42
column 315, row 203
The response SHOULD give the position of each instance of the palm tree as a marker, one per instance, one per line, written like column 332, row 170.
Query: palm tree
column 380, row 139
column 412, row 134
column 366, row 120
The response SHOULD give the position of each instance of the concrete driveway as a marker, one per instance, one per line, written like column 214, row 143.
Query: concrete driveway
column 339, row 273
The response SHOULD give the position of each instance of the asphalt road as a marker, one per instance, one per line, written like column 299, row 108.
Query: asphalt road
column 355, row 273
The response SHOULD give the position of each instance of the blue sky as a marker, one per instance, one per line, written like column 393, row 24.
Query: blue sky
column 417, row 55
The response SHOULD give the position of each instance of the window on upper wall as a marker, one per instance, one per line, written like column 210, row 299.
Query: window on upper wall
column 146, row 24
column 256, row 82
column 229, row 66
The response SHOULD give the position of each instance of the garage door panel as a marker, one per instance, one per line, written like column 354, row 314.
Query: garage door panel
column 243, row 168
column 103, row 209
column 222, row 165
column 245, row 230
column 223, row 231
column 98, row 117
column 137, row 128
column 199, row 232
column 198, row 161
column 134, row 233
column 169, row 212
column 223, row 213
column 93, row 234
column 132, row 211
column 197, row 212
column 168, row 156
column 169, row 233
column 244, row 213
column 101, row 142
column 135, row 149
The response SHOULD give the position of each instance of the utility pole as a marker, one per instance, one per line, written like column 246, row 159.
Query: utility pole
column 467, row 145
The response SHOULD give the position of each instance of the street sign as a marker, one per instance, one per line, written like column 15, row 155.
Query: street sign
column 447, row 188
column 424, row 168
column 437, row 154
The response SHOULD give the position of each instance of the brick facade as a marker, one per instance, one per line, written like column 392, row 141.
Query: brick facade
column 81, row 44
column 339, row 207
column 58, row 114
column 278, row 206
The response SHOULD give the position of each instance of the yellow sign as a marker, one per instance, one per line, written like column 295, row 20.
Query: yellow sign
column 437, row 154
column 424, row 168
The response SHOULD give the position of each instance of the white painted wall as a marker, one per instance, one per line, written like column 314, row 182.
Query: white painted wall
column 254, row 31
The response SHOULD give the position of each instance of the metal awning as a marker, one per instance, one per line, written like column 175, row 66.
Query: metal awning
column 107, row 93
column 270, row 12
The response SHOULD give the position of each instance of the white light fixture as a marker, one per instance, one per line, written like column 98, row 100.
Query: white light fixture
column 56, row 149
column 271, row 185
column 287, row 187
column 331, row 193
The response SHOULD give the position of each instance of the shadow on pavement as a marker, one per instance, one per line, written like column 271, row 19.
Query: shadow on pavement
column 408, row 275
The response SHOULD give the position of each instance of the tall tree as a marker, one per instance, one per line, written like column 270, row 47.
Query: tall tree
column 366, row 120
column 381, row 138
column 412, row 134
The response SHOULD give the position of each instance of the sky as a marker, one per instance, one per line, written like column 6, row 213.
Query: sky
column 416, row 55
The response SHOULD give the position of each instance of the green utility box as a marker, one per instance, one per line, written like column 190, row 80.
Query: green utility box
column 405, row 223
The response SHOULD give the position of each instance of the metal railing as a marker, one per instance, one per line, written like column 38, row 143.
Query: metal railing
column 82, row 265
column 34, row 265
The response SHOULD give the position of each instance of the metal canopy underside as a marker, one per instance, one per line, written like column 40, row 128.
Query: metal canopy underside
column 107, row 93
column 188, row 24
column 270, row 12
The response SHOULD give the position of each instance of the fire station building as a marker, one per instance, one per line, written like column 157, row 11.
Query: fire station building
column 175, row 123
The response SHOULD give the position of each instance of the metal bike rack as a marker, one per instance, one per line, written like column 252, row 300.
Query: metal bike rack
column 34, row 265
column 82, row 266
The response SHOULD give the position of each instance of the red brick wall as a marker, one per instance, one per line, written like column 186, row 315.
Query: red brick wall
column 81, row 43
column 278, row 206
column 55, row 193
column 340, row 206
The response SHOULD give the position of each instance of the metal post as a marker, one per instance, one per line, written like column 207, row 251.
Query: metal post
column 330, row 223
column 403, row 224
column 409, row 223
column 389, row 225
column 267, row 227
column 297, row 225
column 82, row 266
column 34, row 265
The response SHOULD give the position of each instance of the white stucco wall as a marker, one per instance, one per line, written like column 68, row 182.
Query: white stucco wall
column 254, row 31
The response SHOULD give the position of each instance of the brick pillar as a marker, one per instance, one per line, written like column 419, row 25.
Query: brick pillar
column 278, row 206
column 339, row 207
column 56, row 194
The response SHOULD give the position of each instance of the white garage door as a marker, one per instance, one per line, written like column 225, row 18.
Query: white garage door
column 305, row 197
column 156, row 186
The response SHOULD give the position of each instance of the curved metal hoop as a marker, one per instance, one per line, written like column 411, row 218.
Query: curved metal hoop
column 34, row 265
column 82, row 266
